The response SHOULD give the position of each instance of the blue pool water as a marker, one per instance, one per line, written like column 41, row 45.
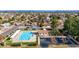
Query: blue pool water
column 25, row 36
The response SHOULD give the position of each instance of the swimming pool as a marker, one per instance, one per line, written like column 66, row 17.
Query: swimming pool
column 25, row 36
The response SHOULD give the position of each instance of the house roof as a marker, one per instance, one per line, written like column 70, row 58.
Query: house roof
column 42, row 31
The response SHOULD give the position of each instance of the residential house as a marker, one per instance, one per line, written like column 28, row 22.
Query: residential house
column 43, row 33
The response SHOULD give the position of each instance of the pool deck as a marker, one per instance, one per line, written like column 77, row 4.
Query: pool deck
column 15, row 37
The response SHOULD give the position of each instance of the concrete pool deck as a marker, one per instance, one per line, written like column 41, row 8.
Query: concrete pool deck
column 15, row 37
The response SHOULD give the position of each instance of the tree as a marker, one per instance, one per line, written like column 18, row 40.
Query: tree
column 41, row 20
column 54, row 22
column 0, row 20
column 55, row 32
column 72, row 25
column 22, row 18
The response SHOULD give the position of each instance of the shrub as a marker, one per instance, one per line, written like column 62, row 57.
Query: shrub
column 29, row 43
column 16, row 44
column 8, row 42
